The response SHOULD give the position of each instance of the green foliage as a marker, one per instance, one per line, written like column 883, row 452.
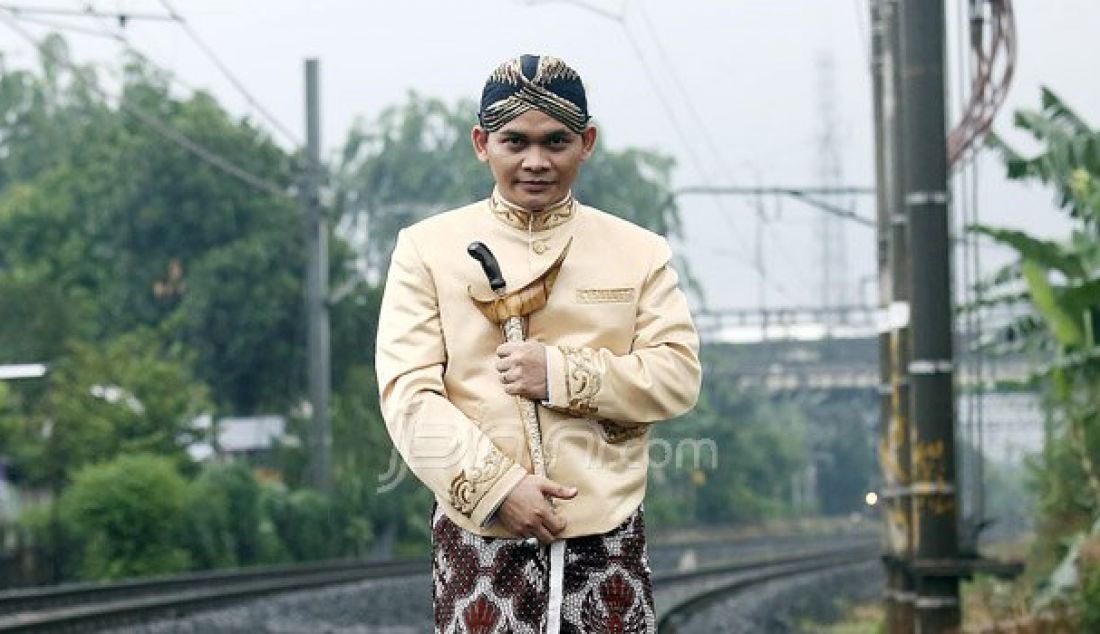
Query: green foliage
column 134, row 231
column 733, row 459
column 126, row 395
column 305, row 522
column 126, row 513
column 223, row 517
column 1070, row 161
column 1063, row 283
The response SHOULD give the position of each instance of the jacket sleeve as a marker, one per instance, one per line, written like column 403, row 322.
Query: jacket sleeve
column 444, row 448
column 660, row 377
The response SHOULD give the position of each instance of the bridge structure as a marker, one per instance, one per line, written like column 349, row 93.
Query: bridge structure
column 787, row 349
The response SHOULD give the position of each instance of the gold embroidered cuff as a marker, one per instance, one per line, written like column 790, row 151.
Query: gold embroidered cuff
column 582, row 380
column 496, row 493
column 557, row 395
column 471, row 484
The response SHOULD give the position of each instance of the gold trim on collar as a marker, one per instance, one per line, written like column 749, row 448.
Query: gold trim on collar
column 515, row 216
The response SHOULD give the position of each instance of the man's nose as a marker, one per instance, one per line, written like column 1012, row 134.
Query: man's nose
column 535, row 160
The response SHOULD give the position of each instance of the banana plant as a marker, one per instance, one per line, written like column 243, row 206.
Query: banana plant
column 1061, row 279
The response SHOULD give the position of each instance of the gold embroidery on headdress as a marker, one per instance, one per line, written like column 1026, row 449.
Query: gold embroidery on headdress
column 533, row 94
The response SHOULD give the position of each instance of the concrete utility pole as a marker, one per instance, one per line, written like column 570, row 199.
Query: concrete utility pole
column 893, row 258
column 317, row 290
column 931, row 367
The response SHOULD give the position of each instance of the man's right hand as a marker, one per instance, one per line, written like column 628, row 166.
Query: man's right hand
column 526, row 512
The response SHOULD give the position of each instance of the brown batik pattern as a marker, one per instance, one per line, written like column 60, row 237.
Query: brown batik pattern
column 484, row 584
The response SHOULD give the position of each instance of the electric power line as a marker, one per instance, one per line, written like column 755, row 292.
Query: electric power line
column 120, row 36
column 59, row 26
column 209, row 52
column 708, row 138
column 666, row 105
column 150, row 121
column 122, row 17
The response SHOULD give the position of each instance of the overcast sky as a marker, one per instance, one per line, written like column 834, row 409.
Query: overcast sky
column 743, row 80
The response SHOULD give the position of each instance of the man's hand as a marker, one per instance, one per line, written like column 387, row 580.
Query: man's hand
column 522, row 368
column 526, row 511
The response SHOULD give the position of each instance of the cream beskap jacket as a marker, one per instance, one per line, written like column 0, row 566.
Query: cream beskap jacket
column 622, row 354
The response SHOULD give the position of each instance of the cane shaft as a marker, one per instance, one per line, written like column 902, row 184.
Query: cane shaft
column 513, row 331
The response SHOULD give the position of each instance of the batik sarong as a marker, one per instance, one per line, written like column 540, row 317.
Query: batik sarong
column 485, row 585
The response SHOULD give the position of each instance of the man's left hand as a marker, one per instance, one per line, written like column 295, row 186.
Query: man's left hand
column 522, row 369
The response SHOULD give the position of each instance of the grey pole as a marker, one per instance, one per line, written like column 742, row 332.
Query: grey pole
column 931, row 367
column 893, row 299
column 317, row 291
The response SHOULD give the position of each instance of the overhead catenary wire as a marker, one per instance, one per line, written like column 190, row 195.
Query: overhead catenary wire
column 57, row 11
column 152, row 122
column 229, row 75
column 708, row 139
column 119, row 35
column 689, row 148
column 59, row 26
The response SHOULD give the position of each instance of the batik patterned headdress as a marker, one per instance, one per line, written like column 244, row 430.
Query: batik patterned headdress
column 534, row 82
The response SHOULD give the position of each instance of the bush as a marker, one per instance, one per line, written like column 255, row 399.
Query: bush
column 126, row 512
column 223, row 517
column 304, row 522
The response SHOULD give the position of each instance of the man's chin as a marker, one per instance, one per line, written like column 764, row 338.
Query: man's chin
column 533, row 202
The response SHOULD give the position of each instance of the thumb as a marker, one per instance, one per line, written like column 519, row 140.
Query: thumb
column 551, row 488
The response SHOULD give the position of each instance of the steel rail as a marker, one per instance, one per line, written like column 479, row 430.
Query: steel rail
column 61, row 607
column 94, row 605
column 674, row 617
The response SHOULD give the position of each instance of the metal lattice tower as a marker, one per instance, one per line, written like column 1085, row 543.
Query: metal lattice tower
column 835, row 285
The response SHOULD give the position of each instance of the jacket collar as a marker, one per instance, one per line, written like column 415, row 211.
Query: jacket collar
column 513, row 215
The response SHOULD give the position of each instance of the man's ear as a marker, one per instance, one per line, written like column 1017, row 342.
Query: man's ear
column 588, row 141
column 480, row 139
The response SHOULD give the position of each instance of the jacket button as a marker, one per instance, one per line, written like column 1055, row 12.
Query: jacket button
column 539, row 247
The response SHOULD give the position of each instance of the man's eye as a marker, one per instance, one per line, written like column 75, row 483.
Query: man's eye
column 513, row 140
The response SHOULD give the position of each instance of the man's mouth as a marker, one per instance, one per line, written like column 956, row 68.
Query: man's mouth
column 537, row 186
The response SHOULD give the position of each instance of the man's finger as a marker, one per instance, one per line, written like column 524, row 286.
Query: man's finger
column 503, row 365
column 553, row 489
column 544, row 536
column 554, row 523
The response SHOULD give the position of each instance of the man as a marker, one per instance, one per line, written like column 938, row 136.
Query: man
column 611, row 351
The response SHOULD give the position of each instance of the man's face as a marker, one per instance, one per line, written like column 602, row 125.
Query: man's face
column 534, row 158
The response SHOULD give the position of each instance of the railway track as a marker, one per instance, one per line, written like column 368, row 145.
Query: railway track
column 87, row 607
column 720, row 583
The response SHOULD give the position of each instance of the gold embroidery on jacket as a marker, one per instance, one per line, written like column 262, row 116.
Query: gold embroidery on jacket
column 467, row 491
column 582, row 378
column 519, row 217
column 618, row 432
column 605, row 295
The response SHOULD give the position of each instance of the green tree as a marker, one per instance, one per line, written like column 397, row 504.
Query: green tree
column 127, row 513
column 732, row 459
column 127, row 395
column 139, row 233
